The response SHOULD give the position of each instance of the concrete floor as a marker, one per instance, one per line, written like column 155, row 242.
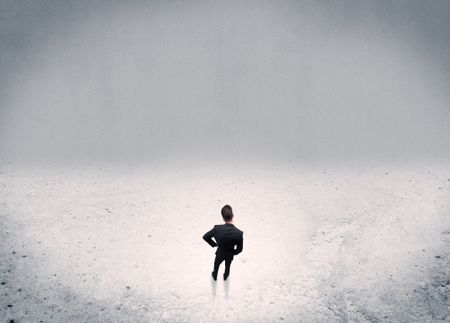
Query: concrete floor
column 119, row 243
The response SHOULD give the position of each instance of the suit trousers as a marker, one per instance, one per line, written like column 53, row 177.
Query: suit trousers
column 218, row 261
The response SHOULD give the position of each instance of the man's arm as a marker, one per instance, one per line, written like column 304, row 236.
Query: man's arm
column 208, row 238
column 240, row 245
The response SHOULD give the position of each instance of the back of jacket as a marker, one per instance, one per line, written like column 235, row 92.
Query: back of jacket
column 227, row 237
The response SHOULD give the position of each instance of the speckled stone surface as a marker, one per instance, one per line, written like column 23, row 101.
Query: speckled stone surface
column 117, row 243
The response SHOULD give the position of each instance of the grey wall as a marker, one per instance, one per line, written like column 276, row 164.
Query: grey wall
column 83, row 80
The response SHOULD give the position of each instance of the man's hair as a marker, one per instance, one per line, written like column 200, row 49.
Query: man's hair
column 227, row 213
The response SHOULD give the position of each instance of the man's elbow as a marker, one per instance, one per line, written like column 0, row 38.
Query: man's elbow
column 208, row 240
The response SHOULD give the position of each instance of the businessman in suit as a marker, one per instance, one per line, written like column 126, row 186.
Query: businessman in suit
column 228, row 240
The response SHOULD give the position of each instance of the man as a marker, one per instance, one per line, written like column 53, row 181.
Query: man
column 227, row 237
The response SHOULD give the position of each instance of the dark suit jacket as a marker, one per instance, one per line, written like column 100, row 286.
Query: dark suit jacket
column 227, row 236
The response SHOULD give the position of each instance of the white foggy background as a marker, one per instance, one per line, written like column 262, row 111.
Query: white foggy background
column 126, row 126
column 235, row 80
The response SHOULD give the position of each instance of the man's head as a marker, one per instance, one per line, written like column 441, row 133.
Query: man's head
column 227, row 213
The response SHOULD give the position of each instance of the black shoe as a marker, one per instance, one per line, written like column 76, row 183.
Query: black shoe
column 214, row 275
column 225, row 276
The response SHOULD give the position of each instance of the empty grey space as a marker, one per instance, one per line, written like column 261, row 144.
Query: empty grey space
column 250, row 80
column 125, row 126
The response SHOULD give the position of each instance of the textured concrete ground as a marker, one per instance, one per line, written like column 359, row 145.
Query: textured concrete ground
column 118, row 243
